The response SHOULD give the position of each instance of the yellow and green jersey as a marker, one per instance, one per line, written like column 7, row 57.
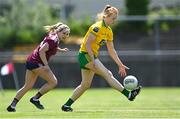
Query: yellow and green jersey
column 103, row 34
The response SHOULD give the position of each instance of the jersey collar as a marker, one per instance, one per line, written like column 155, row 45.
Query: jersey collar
column 104, row 24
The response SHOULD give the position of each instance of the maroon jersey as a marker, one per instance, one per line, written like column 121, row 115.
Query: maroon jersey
column 53, row 41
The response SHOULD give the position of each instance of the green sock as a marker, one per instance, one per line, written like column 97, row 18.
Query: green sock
column 69, row 102
column 125, row 92
column 38, row 95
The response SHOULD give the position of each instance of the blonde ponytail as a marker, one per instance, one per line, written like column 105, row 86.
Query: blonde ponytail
column 52, row 28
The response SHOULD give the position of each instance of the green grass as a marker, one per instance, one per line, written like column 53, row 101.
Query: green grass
column 98, row 104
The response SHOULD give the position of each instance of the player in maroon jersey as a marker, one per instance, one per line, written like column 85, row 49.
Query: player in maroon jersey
column 37, row 65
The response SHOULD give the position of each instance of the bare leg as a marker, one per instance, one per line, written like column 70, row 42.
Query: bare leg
column 30, row 79
column 108, row 76
column 87, row 77
column 49, row 77
column 101, row 70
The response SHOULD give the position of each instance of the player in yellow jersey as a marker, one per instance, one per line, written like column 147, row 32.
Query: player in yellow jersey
column 99, row 34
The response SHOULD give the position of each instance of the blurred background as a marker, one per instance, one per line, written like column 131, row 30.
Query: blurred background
column 146, row 37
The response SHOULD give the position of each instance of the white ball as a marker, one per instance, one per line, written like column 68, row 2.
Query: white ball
column 130, row 82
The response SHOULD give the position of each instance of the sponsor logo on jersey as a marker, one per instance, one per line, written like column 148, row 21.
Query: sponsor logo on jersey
column 96, row 29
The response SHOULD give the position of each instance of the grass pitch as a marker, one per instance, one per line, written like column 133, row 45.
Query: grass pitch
column 152, row 103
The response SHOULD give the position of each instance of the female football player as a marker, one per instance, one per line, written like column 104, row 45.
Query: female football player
column 99, row 34
column 37, row 65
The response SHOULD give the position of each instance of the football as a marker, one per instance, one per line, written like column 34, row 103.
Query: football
column 130, row 82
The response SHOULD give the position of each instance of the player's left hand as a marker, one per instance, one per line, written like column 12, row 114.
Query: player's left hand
column 64, row 50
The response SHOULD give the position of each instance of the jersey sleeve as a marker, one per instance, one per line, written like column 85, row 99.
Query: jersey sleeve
column 110, row 36
column 50, row 43
column 94, row 29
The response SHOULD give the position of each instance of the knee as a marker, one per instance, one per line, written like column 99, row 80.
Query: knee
column 85, row 86
column 109, row 74
column 47, row 70
column 54, row 82
column 26, row 87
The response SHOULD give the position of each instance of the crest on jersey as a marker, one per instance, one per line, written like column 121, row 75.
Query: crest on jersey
column 54, row 37
column 96, row 29
column 102, row 42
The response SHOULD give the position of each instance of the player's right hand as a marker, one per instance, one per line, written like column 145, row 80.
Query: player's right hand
column 122, row 70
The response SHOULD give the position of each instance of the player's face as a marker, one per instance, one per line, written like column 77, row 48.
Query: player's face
column 111, row 19
column 63, row 34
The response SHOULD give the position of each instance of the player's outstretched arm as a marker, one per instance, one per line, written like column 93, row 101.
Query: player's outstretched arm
column 114, row 56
